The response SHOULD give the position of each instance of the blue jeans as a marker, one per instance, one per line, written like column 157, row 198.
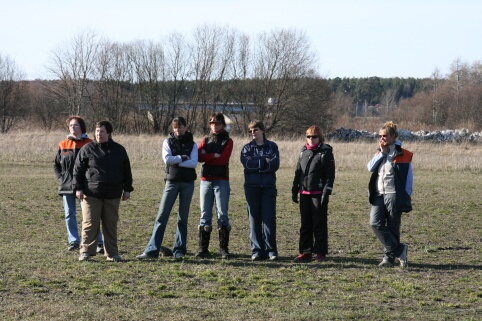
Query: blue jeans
column 385, row 222
column 262, row 220
column 211, row 191
column 71, row 220
column 171, row 190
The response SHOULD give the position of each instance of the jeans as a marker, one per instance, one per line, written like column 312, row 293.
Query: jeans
column 71, row 220
column 314, row 225
column 171, row 190
column 261, row 203
column 385, row 222
column 210, row 191
column 94, row 211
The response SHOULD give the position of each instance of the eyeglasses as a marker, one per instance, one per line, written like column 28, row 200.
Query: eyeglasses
column 253, row 130
column 312, row 136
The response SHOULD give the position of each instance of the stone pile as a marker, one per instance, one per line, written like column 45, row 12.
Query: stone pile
column 454, row 136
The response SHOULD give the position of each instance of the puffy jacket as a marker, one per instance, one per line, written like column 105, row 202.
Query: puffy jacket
column 402, row 165
column 215, row 168
column 64, row 162
column 315, row 171
column 103, row 170
column 257, row 171
column 178, row 169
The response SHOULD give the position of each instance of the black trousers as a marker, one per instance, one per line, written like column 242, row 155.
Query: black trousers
column 314, row 225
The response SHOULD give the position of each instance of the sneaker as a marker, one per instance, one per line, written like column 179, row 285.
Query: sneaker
column 404, row 257
column 84, row 256
column 144, row 256
column 255, row 257
column 100, row 249
column 273, row 258
column 320, row 257
column 303, row 258
column 115, row 258
column 386, row 262
column 224, row 253
column 179, row 256
column 73, row 246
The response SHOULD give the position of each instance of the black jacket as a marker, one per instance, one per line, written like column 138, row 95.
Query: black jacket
column 103, row 170
column 180, row 146
column 315, row 170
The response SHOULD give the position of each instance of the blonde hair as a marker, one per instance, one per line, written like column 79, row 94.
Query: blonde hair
column 391, row 128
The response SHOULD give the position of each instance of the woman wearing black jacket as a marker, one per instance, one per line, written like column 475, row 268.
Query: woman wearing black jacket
column 313, row 181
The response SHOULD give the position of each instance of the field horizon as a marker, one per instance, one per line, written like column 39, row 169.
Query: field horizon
column 41, row 280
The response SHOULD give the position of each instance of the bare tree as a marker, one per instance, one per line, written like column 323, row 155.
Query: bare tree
column 74, row 66
column 13, row 96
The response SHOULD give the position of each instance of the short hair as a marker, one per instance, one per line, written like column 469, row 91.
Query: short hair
column 217, row 118
column 81, row 122
column 315, row 130
column 257, row 123
column 106, row 124
column 391, row 128
column 179, row 121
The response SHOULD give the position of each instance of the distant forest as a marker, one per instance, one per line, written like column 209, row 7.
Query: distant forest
column 141, row 86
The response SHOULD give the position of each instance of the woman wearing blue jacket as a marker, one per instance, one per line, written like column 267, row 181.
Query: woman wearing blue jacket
column 260, row 158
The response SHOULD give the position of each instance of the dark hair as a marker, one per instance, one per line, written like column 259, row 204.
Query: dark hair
column 81, row 122
column 179, row 121
column 106, row 124
column 217, row 118
column 317, row 131
column 391, row 128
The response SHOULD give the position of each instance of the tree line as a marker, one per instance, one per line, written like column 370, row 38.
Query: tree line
column 140, row 86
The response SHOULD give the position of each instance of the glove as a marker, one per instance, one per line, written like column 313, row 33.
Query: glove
column 294, row 197
column 325, row 199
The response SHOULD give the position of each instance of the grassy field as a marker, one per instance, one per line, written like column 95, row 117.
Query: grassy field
column 41, row 280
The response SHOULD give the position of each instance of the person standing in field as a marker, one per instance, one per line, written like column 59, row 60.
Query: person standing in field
column 102, row 177
column 389, row 193
column 179, row 152
column 313, row 182
column 260, row 159
column 214, row 151
column 63, row 168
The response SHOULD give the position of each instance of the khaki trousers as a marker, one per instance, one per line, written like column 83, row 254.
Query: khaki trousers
column 94, row 211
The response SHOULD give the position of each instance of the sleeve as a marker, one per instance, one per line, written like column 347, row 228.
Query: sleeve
column 167, row 154
column 127, row 174
column 374, row 162
column 274, row 161
column 252, row 165
column 296, row 180
column 409, row 184
column 192, row 162
column 80, row 167
column 57, row 165
column 329, row 166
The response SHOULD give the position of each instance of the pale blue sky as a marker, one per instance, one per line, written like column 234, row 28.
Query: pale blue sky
column 353, row 38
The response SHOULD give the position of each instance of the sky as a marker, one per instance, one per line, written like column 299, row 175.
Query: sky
column 352, row 38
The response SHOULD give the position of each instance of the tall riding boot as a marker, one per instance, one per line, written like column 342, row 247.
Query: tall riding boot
column 204, row 236
column 224, row 241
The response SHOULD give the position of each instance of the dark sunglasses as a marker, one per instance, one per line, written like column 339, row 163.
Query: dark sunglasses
column 312, row 136
column 253, row 130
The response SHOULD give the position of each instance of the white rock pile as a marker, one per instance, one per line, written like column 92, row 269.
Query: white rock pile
column 454, row 136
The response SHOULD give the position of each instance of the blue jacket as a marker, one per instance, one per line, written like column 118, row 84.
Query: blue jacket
column 258, row 172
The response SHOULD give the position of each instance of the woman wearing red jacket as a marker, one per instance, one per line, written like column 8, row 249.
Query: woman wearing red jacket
column 214, row 151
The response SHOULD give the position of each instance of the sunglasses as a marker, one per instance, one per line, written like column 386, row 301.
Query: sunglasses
column 312, row 136
column 253, row 130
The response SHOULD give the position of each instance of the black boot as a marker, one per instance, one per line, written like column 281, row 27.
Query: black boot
column 224, row 241
column 204, row 236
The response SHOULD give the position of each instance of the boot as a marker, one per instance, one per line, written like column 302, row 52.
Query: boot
column 204, row 236
column 224, row 241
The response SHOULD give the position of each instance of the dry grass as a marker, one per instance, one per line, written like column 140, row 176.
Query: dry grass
column 39, row 147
